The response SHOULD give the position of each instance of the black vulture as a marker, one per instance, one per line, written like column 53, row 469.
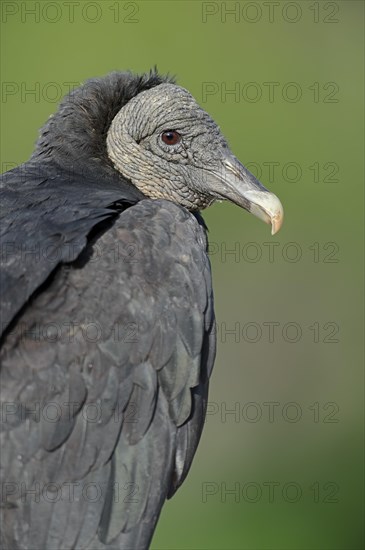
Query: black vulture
column 108, row 330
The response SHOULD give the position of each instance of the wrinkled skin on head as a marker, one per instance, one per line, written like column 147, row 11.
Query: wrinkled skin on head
column 196, row 167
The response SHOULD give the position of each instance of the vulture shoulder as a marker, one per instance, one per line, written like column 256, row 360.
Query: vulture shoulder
column 46, row 214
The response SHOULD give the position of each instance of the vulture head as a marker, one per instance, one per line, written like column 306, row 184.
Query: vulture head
column 156, row 136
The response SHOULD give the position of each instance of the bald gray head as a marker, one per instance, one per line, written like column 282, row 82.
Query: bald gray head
column 169, row 147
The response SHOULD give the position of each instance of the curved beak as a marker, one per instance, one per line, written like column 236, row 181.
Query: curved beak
column 236, row 184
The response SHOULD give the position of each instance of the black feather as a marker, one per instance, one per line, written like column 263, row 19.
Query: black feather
column 67, row 216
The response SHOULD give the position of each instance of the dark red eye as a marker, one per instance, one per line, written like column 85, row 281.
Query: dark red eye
column 170, row 137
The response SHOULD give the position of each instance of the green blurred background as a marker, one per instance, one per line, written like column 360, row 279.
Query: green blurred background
column 307, row 446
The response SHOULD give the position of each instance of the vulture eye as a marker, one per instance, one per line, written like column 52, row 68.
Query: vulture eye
column 170, row 137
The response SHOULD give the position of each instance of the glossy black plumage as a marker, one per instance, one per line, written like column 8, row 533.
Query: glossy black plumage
column 81, row 247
